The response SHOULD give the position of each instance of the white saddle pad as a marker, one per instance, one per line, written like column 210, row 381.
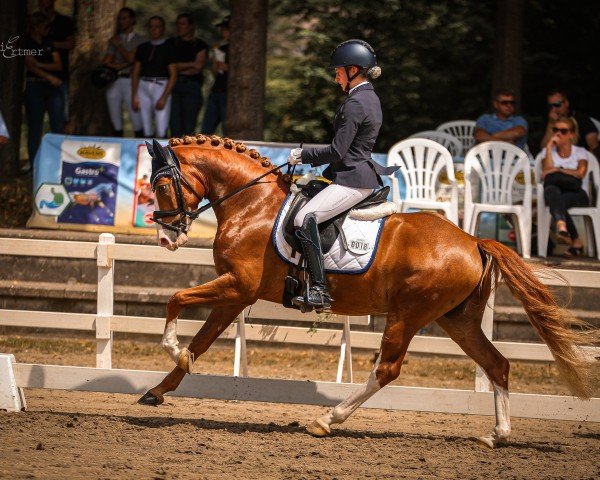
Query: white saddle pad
column 362, row 237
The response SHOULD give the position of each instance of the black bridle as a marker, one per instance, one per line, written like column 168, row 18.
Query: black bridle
column 186, row 217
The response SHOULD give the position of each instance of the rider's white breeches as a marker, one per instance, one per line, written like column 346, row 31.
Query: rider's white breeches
column 331, row 201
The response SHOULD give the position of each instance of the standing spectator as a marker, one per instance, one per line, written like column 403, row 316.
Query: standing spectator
column 502, row 125
column 153, row 78
column 217, row 99
column 564, row 165
column 120, row 56
column 559, row 106
column 42, row 85
column 190, row 55
column 4, row 136
column 61, row 34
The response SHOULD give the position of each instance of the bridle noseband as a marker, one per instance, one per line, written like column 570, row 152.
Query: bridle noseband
column 186, row 217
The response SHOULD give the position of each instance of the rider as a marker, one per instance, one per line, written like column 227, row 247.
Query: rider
column 353, row 173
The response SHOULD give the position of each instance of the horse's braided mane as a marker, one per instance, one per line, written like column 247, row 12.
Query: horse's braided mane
column 217, row 142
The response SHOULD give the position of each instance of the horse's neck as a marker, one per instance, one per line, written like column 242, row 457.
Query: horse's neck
column 259, row 202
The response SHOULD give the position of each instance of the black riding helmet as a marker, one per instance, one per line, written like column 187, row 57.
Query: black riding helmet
column 357, row 53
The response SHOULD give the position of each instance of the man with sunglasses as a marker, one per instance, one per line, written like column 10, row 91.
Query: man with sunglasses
column 559, row 106
column 502, row 125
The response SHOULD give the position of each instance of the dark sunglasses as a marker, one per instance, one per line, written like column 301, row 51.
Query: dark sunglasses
column 554, row 105
column 506, row 102
column 563, row 131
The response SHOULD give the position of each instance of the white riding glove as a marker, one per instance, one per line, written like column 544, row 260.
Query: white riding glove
column 295, row 157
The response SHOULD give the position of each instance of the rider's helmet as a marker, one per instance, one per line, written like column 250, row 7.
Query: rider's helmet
column 355, row 53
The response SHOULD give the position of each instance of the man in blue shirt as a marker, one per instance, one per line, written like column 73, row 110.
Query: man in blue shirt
column 502, row 125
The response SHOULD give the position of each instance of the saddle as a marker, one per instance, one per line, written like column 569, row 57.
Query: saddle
column 331, row 229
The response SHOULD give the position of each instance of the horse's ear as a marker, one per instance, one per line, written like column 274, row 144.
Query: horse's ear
column 150, row 148
column 159, row 159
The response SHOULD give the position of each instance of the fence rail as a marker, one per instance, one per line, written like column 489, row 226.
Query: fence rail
column 104, row 323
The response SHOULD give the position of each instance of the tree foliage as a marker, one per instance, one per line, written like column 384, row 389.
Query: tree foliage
column 437, row 60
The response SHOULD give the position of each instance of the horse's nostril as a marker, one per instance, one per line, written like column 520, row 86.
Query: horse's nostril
column 164, row 242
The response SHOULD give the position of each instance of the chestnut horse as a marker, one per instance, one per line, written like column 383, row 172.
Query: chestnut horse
column 425, row 270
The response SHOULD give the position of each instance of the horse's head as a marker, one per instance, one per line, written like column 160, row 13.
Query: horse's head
column 175, row 197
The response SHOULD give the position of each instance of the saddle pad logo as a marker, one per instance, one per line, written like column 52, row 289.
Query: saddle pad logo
column 359, row 245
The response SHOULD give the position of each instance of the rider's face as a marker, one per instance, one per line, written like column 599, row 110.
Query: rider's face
column 340, row 77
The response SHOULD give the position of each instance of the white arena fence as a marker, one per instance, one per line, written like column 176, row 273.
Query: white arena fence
column 16, row 376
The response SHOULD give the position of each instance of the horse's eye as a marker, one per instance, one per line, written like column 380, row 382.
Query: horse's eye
column 163, row 189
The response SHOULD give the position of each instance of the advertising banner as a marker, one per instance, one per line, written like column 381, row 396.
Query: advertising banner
column 102, row 184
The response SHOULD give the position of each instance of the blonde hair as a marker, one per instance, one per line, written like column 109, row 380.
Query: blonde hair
column 572, row 125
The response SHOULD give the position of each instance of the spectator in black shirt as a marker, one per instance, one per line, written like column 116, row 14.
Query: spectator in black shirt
column 42, row 88
column 61, row 34
column 190, row 55
column 559, row 106
column 153, row 77
column 217, row 99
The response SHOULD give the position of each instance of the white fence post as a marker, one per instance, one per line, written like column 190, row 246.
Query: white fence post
column 240, row 361
column 105, row 304
column 345, row 353
column 482, row 383
column 12, row 398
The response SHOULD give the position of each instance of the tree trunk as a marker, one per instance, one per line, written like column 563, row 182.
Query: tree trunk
column 247, row 69
column 508, row 54
column 12, row 69
column 95, row 25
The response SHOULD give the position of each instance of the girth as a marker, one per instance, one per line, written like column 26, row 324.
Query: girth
column 330, row 229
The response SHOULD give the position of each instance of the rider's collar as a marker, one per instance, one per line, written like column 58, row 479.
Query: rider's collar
column 356, row 86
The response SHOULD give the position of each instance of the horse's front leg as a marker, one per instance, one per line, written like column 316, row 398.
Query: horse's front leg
column 223, row 291
column 218, row 320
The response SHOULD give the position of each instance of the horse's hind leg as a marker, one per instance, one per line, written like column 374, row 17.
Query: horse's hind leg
column 396, row 337
column 463, row 324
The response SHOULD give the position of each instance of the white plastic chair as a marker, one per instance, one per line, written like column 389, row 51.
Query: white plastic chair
column 497, row 165
column 461, row 129
column 591, row 214
column 452, row 143
column 421, row 161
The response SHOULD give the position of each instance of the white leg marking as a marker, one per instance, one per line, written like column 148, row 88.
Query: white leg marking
column 321, row 426
column 169, row 341
column 502, row 429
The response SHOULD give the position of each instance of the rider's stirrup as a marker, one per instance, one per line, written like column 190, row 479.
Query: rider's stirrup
column 317, row 296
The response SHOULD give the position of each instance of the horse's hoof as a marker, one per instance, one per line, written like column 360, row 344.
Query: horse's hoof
column 492, row 441
column 318, row 429
column 487, row 442
column 186, row 360
column 150, row 399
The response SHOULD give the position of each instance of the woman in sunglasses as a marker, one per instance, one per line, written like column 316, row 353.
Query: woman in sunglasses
column 563, row 167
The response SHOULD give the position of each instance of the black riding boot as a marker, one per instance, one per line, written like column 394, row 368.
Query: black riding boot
column 317, row 295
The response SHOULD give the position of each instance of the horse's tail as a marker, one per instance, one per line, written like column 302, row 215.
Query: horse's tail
column 553, row 323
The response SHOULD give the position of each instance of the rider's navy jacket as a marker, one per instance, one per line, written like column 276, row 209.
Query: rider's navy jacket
column 356, row 125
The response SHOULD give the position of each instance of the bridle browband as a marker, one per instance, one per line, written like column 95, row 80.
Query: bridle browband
column 186, row 217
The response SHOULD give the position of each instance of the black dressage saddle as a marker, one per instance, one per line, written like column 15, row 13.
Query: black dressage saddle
column 332, row 228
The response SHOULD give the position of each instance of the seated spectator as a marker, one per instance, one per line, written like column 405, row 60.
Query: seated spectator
column 502, row 125
column 559, row 106
column 42, row 85
column 563, row 167
column 120, row 55
column 153, row 78
column 4, row 136
column 186, row 99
